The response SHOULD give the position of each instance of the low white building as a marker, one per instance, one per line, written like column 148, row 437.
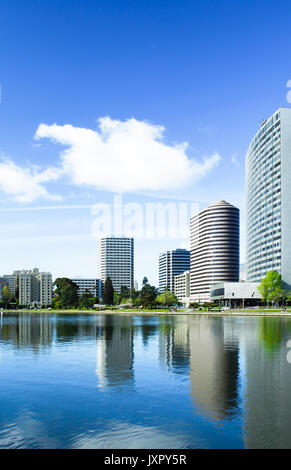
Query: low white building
column 231, row 293
column 92, row 285
column 182, row 286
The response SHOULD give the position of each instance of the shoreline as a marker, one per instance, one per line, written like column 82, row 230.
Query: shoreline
column 240, row 313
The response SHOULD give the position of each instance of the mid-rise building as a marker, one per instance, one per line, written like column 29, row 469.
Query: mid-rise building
column 182, row 286
column 116, row 260
column 268, row 176
column 35, row 288
column 92, row 285
column 214, row 246
column 172, row 263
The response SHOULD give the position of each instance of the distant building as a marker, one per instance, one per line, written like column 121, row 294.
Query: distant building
column 235, row 293
column 182, row 286
column 92, row 285
column 242, row 272
column 172, row 263
column 214, row 245
column 116, row 260
column 35, row 288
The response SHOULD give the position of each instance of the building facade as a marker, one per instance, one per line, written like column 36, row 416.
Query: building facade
column 182, row 286
column 35, row 288
column 116, row 260
column 172, row 263
column 268, row 176
column 231, row 293
column 214, row 247
column 92, row 285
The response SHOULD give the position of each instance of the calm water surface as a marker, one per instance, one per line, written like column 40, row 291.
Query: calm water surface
column 144, row 382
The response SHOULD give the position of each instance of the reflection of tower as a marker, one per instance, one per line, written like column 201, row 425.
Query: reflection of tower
column 114, row 365
column 268, row 383
column 214, row 367
column 174, row 343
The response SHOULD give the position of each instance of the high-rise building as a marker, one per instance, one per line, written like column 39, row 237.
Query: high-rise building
column 268, row 176
column 172, row 263
column 116, row 260
column 35, row 288
column 214, row 247
column 92, row 285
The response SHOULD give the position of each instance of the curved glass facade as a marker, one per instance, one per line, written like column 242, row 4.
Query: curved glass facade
column 267, row 195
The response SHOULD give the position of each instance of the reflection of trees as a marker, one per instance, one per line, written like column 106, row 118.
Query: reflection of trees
column 174, row 342
column 82, row 328
column 148, row 329
column 271, row 331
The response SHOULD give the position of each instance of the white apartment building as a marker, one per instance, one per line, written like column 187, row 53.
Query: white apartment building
column 116, row 260
column 35, row 288
column 182, row 286
column 268, row 176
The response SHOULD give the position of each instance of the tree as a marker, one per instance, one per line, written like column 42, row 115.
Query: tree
column 148, row 294
column 271, row 287
column 108, row 294
column 86, row 300
column 167, row 298
column 66, row 293
column 6, row 296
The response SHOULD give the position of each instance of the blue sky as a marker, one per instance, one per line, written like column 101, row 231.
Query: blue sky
column 207, row 72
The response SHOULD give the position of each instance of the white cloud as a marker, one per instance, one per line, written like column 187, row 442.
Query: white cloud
column 25, row 184
column 125, row 156
column 234, row 160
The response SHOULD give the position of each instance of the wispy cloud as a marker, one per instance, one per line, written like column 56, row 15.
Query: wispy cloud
column 234, row 160
column 26, row 184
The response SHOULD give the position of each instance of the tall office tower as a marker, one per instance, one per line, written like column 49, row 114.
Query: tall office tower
column 214, row 247
column 92, row 285
column 116, row 260
column 35, row 288
column 172, row 263
column 268, row 176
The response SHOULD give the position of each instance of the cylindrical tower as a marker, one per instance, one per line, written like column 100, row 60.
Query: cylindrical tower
column 214, row 246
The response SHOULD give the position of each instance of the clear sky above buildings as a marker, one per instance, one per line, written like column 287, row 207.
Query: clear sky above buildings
column 152, row 100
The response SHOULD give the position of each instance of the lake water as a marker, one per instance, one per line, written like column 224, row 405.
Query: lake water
column 86, row 381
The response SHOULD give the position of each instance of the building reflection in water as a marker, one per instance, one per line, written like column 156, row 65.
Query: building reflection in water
column 209, row 349
column 114, row 364
column 267, row 415
column 29, row 330
column 214, row 366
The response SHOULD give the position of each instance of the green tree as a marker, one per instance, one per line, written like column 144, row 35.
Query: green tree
column 167, row 298
column 86, row 300
column 271, row 287
column 148, row 294
column 66, row 293
column 6, row 296
column 108, row 294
